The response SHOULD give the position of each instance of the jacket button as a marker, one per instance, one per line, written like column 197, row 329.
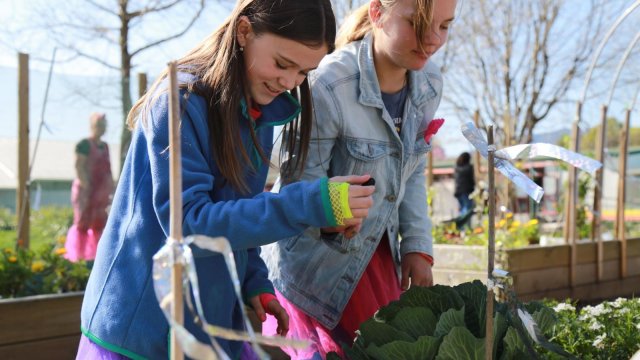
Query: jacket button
column 391, row 198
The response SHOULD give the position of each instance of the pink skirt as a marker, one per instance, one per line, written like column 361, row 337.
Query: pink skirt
column 81, row 245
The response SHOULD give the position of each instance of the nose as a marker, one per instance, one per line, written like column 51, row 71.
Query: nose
column 288, row 80
column 432, row 37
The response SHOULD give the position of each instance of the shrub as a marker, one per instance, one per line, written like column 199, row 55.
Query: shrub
column 609, row 330
column 26, row 272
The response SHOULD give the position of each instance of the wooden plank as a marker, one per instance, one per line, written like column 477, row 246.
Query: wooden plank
column 537, row 257
column 557, row 277
column 633, row 247
column 633, row 266
column 61, row 348
column 543, row 257
column 39, row 317
column 626, row 287
column 541, row 280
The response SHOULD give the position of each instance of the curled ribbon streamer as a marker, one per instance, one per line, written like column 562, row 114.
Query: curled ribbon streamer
column 173, row 252
column 504, row 166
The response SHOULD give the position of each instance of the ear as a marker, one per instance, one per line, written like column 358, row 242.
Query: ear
column 375, row 13
column 243, row 30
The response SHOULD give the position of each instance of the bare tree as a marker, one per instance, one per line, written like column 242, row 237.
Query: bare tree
column 94, row 29
column 515, row 60
column 342, row 8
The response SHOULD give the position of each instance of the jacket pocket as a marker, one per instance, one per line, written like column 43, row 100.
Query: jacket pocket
column 421, row 147
column 365, row 155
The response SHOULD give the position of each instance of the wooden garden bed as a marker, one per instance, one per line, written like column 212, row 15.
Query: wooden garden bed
column 540, row 272
column 544, row 271
column 40, row 327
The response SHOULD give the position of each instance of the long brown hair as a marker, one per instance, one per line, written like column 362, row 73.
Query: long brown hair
column 218, row 66
column 358, row 24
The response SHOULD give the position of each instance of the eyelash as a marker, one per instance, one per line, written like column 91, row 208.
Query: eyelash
column 282, row 67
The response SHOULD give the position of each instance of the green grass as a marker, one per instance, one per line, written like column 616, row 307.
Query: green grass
column 47, row 225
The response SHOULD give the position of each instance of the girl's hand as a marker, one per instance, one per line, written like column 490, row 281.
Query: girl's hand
column 416, row 268
column 266, row 303
column 360, row 200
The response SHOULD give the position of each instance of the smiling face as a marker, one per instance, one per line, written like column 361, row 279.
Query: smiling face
column 274, row 64
column 395, row 39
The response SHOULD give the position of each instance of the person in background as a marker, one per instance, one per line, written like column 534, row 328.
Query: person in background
column 90, row 193
column 374, row 101
column 464, row 183
column 246, row 78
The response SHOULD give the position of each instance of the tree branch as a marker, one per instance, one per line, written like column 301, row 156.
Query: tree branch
column 177, row 35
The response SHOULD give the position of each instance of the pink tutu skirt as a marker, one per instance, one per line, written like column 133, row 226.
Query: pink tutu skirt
column 81, row 245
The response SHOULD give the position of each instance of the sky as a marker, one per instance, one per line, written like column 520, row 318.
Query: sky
column 81, row 87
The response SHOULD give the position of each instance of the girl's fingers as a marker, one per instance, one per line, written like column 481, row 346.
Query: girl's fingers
column 360, row 213
column 351, row 179
column 360, row 203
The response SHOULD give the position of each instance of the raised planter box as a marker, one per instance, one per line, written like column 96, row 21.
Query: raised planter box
column 544, row 271
column 40, row 327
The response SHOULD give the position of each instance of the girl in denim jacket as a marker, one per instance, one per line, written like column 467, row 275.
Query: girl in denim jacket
column 373, row 98
column 234, row 88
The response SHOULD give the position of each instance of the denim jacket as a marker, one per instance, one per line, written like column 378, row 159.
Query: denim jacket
column 355, row 135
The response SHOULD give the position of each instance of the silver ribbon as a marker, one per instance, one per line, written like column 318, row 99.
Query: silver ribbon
column 175, row 253
column 553, row 151
column 503, row 165
column 503, row 157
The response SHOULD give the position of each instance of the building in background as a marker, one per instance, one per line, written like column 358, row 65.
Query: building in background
column 52, row 174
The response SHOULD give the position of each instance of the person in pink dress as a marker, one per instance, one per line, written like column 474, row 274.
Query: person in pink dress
column 90, row 193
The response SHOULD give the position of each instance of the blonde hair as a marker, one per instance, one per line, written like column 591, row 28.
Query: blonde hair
column 358, row 24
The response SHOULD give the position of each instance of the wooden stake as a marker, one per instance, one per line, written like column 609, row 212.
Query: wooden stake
column 476, row 155
column 175, row 203
column 597, row 192
column 572, row 198
column 492, row 250
column 622, row 193
column 23, row 206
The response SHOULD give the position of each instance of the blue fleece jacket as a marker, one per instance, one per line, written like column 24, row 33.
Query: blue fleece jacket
column 120, row 311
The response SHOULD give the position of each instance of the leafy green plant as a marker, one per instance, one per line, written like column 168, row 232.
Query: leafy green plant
column 609, row 330
column 26, row 272
column 443, row 322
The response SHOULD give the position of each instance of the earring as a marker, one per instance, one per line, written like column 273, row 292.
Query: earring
column 241, row 48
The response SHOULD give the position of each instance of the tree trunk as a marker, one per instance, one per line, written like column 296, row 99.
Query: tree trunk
column 125, row 80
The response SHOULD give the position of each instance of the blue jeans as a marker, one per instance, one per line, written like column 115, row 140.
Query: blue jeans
column 465, row 203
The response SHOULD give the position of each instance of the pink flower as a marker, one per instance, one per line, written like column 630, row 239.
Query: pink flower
column 432, row 129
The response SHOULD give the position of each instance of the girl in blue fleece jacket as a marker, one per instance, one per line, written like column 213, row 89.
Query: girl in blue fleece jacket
column 235, row 86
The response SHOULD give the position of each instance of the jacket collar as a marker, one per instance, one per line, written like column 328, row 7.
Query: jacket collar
column 283, row 109
column 420, row 87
